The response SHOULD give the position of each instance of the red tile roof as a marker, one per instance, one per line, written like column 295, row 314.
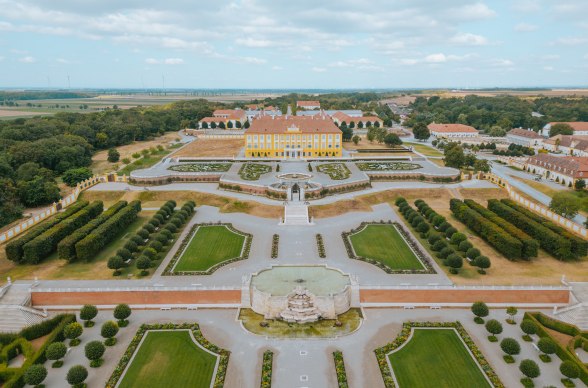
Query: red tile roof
column 451, row 128
column 280, row 124
column 576, row 125
column 576, row 167
column 524, row 133
column 308, row 103
column 345, row 117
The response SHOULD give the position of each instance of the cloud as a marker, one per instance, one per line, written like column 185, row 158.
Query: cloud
column 570, row 41
column 253, row 60
column 277, row 68
column 469, row 39
column 475, row 11
column 27, row 59
column 501, row 63
column 525, row 27
column 256, row 43
column 166, row 61
column 319, row 69
column 436, row 58
column 526, row 6
column 548, row 68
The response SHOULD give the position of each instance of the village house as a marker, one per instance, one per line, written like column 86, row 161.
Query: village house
column 524, row 137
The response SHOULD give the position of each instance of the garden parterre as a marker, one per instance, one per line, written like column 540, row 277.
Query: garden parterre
column 386, row 166
column 335, row 171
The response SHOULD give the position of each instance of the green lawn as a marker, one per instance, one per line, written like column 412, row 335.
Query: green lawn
column 169, row 359
column 436, row 357
column 383, row 243
column 424, row 149
column 211, row 244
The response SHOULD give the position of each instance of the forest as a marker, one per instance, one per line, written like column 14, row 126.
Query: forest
column 35, row 151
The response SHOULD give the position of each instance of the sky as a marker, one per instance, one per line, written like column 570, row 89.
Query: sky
column 293, row 44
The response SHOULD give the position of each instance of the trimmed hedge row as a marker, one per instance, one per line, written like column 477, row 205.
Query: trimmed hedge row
column 266, row 369
column 105, row 233
column 501, row 240
column 66, row 249
column 46, row 243
column 14, row 248
column 579, row 245
column 340, row 369
column 553, row 243
column 530, row 245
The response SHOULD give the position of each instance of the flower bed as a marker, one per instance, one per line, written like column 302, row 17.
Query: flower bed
column 382, row 353
column 266, row 369
column 408, row 239
column 335, row 171
column 244, row 254
column 386, row 166
column 219, row 378
column 201, row 167
column 275, row 245
column 320, row 246
column 340, row 369
column 252, row 171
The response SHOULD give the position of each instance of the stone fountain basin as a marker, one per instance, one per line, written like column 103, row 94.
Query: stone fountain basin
column 294, row 176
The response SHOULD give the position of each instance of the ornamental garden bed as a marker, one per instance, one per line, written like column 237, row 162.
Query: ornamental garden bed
column 171, row 355
column 253, row 171
column 349, row 322
column 386, row 166
column 207, row 248
column 201, row 167
column 266, row 369
column 335, row 171
column 340, row 369
column 388, row 246
column 442, row 352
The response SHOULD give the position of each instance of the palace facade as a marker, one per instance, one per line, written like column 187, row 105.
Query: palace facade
column 295, row 137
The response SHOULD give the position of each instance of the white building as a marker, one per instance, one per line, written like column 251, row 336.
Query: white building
column 524, row 137
column 561, row 169
column 580, row 127
column 308, row 105
column 567, row 145
column 452, row 130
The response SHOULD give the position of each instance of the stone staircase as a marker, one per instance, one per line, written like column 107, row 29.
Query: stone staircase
column 16, row 312
column 300, row 308
column 296, row 213
column 576, row 315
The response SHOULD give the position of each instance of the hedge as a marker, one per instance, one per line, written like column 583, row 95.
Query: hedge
column 530, row 245
column 553, row 243
column 14, row 248
column 66, row 249
column 579, row 245
column 564, row 353
column 340, row 369
column 46, row 243
column 107, row 231
column 501, row 240
column 266, row 369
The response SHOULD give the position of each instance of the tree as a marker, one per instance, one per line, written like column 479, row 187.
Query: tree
column 121, row 313
column 580, row 184
column 94, row 351
column 72, row 332
column 480, row 310
column 35, row 374
column 221, row 125
column 55, row 352
column 109, row 330
column 565, row 204
column 230, row 125
column 547, row 346
column 482, row 262
column 454, row 157
column 356, row 139
column 143, row 263
column 455, row 262
column 76, row 375
column 560, row 129
column 73, row 176
column 371, row 134
column 116, row 263
column 569, row 369
column 510, row 346
column 113, row 155
column 493, row 327
column 392, row 140
column 482, row 165
column 511, row 312
column 87, row 313
column 421, row 131
column 528, row 327
column 496, row 131
column 38, row 192
column 529, row 368
column 347, row 133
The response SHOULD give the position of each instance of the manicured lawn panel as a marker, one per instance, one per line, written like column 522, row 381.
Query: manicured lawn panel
column 436, row 356
column 170, row 359
column 211, row 244
column 384, row 244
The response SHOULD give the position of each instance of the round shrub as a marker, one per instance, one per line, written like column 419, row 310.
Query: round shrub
column 472, row 253
column 454, row 261
column 163, row 213
column 510, row 346
column 494, row 327
column 143, row 263
column 166, row 233
column 87, row 313
column 569, row 369
column 397, row 202
column 464, row 246
column 457, row 238
column 55, row 351
column 76, row 375
column 115, row 263
column 150, row 253
column 35, row 374
column 94, row 350
column 176, row 222
column 184, row 213
column 445, row 252
column 442, row 227
column 138, row 239
column 439, row 245
column 480, row 309
column 73, row 330
column 159, row 217
column 121, row 313
column 483, row 263
column 143, row 234
column 528, row 327
column 450, row 231
column 156, row 246
column 161, row 238
column 131, row 246
column 547, row 345
column 124, row 253
column 423, row 227
column 433, row 238
column 171, row 227
column 154, row 222
column 149, row 228
column 529, row 368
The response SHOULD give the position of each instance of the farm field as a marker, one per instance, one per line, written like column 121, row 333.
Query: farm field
column 209, row 246
column 385, row 244
column 436, row 355
column 211, row 148
column 162, row 355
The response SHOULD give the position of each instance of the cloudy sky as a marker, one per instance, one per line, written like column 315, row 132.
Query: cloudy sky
column 293, row 43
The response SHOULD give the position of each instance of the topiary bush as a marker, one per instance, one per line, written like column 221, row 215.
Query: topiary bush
column 109, row 330
column 480, row 310
column 35, row 374
column 87, row 313
column 76, row 376
column 55, row 352
column 72, row 332
column 94, row 351
column 121, row 313
column 528, row 327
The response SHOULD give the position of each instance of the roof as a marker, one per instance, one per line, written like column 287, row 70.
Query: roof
column 211, row 119
column 330, row 112
column 570, row 141
column 576, row 167
column 576, row 125
column 341, row 116
column 280, row 124
column 529, row 133
column 451, row 128
column 308, row 103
